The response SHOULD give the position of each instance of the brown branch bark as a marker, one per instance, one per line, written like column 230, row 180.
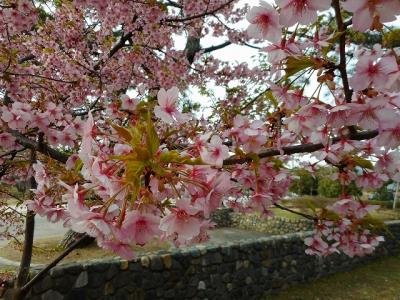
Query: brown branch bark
column 342, row 27
column 44, row 149
column 23, row 272
column 295, row 212
column 206, row 13
column 304, row 148
column 216, row 47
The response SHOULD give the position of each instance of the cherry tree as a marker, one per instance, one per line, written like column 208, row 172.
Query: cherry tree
column 95, row 112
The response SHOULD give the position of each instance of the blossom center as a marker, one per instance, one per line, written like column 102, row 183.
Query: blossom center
column 372, row 69
column 300, row 5
column 263, row 20
column 182, row 215
column 141, row 225
column 169, row 109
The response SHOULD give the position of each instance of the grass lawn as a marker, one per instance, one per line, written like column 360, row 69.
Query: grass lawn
column 377, row 280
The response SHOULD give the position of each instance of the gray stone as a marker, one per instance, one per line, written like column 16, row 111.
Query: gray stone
column 96, row 280
column 124, row 265
column 167, row 260
column 108, row 289
column 98, row 266
column 201, row 285
column 111, row 272
column 43, row 285
column 145, row 261
column 52, row 295
column 82, row 280
column 156, row 263
column 64, row 284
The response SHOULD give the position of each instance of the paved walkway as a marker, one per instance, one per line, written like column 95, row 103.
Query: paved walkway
column 222, row 235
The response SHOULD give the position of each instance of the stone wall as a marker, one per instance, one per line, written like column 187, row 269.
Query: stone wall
column 275, row 225
column 241, row 270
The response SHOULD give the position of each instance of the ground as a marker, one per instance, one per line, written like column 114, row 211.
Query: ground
column 378, row 280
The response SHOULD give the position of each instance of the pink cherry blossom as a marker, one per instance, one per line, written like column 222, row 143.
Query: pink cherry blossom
column 121, row 248
column 215, row 152
column 83, row 220
column 127, row 103
column 17, row 117
column 44, row 206
column 390, row 134
column 364, row 12
column 182, row 221
column 316, row 245
column 371, row 180
column 140, row 228
column 166, row 109
column 370, row 72
column 125, row 171
column 264, row 22
column 42, row 179
column 388, row 163
column 301, row 11
column 7, row 141
column 371, row 115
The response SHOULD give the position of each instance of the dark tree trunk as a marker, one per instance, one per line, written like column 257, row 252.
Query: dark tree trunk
column 23, row 273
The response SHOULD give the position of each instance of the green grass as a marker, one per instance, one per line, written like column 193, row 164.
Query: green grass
column 377, row 280
column 285, row 214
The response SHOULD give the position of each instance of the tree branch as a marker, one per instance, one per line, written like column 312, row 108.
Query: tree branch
column 216, row 47
column 295, row 212
column 206, row 13
column 46, row 150
column 342, row 51
column 305, row 148
column 23, row 272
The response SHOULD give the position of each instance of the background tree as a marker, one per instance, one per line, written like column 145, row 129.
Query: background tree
column 304, row 184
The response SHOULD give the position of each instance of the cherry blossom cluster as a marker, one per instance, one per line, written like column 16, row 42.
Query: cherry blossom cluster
column 347, row 234
column 17, row 16
column 99, row 91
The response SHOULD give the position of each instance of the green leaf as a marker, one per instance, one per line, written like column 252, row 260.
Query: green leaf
column 271, row 97
column 133, row 170
column 78, row 165
column 123, row 132
column 362, row 162
column 295, row 65
column 152, row 140
column 336, row 37
column 254, row 157
column 170, row 157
